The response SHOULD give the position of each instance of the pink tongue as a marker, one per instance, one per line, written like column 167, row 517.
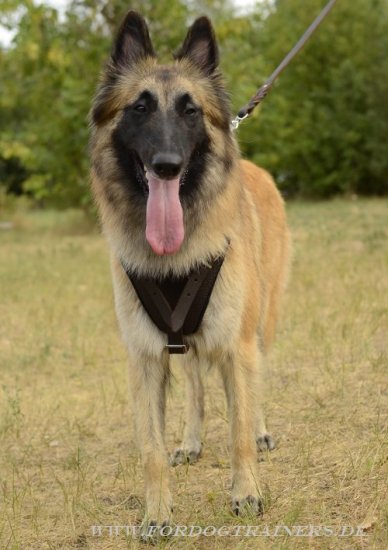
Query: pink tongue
column 164, row 230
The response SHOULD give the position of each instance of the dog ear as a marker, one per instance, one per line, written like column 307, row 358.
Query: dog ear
column 133, row 41
column 200, row 46
column 132, row 44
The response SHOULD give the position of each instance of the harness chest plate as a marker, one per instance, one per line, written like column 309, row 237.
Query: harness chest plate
column 176, row 305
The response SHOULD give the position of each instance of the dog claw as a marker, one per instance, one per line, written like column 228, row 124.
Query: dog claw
column 265, row 443
column 151, row 531
column 182, row 456
column 249, row 505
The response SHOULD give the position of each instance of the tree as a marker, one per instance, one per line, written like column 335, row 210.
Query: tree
column 50, row 75
column 321, row 131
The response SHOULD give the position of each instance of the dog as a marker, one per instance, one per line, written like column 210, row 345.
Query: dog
column 173, row 194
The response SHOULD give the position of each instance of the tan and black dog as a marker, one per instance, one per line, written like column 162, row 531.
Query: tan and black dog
column 173, row 195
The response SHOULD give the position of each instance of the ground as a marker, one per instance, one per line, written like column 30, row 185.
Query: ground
column 68, row 459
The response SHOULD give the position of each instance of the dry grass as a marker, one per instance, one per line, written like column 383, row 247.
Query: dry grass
column 67, row 454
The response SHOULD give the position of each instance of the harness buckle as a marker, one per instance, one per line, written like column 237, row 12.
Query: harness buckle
column 178, row 349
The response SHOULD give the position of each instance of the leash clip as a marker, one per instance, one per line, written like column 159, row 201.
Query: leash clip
column 237, row 121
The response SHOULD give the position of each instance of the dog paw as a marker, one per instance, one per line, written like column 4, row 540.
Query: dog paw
column 151, row 531
column 247, row 506
column 265, row 443
column 184, row 456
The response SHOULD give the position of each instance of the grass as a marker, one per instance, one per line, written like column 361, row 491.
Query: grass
column 68, row 459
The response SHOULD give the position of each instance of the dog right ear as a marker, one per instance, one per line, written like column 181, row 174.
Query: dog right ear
column 132, row 44
column 133, row 41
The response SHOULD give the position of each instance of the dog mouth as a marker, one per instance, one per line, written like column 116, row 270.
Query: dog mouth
column 164, row 214
column 143, row 174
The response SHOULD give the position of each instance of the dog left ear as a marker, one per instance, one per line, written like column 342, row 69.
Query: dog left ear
column 200, row 46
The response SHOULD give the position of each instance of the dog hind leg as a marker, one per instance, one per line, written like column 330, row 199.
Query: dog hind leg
column 264, row 441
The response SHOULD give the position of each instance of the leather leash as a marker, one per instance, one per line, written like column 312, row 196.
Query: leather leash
column 262, row 92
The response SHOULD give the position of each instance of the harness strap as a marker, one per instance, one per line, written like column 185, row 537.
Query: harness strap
column 176, row 305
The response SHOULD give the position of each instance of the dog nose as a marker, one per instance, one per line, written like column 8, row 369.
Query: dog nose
column 167, row 165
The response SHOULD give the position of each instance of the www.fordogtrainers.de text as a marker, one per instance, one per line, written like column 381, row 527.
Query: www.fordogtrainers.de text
column 228, row 531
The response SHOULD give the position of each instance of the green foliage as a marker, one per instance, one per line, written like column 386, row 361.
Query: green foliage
column 321, row 131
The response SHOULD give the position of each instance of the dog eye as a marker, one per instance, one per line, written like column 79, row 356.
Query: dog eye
column 190, row 111
column 140, row 108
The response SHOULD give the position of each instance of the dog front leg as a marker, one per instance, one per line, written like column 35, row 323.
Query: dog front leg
column 148, row 379
column 238, row 373
column 190, row 449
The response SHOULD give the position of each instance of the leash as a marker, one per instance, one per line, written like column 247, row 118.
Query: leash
column 262, row 92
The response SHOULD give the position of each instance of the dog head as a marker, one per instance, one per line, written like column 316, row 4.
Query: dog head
column 169, row 127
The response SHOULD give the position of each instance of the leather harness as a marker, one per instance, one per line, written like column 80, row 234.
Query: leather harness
column 176, row 305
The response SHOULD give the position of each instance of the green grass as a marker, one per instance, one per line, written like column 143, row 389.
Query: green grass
column 68, row 459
